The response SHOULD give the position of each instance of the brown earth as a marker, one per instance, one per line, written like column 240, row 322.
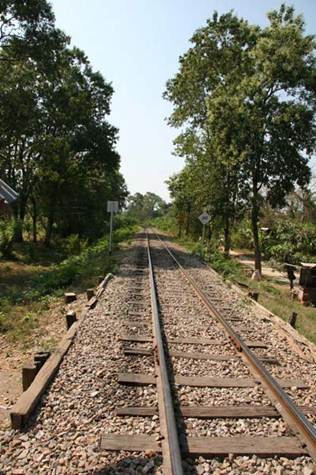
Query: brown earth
column 16, row 354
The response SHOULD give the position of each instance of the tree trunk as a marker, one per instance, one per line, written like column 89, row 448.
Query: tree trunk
column 227, row 236
column 18, row 233
column 34, row 220
column 255, row 232
column 187, row 224
column 49, row 228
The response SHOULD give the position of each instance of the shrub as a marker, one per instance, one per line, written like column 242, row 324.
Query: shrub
column 291, row 242
column 225, row 265
column 7, row 229
column 242, row 236
column 124, row 220
column 73, row 245
column 164, row 223
column 91, row 261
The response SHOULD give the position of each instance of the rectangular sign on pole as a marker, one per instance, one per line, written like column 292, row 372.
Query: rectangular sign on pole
column 112, row 207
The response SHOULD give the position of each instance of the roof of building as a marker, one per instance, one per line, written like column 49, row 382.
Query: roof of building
column 7, row 193
column 308, row 265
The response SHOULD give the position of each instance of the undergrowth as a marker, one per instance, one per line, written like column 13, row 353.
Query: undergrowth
column 21, row 306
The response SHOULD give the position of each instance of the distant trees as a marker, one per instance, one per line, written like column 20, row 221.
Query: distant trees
column 245, row 99
column 57, row 148
column 145, row 206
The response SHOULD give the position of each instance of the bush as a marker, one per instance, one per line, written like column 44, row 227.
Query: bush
column 124, row 233
column 73, row 245
column 123, row 220
column 91, row 261
column 3, row 323
column 164, row 223
column 7, row 229
column 242, row 236
column 225, row 265
column 291, row 242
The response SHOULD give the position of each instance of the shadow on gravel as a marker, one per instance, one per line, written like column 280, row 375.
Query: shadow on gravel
column 131, row 465
column 140, row 465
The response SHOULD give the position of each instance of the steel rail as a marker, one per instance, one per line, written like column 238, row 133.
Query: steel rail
column 298, row 422
column 170, row 443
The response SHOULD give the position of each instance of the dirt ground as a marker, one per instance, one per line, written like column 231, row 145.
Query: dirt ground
column 267, row 271
column 14, row 354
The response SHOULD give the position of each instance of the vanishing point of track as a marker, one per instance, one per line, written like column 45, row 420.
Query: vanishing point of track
column 170, row 442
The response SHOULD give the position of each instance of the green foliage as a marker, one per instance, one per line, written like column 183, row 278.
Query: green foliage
column 124, row 233
column 142, row 207
column 65, row 273
column 244, row 98
column 225, row 265
column 242, row 235
column 6, row 237
column 92, row 260
column 123, row 220
column 287, row 241
column 165, row 223
column 291, row 242
column 4, row 324
column 21, row 309
column 57, row 148
column 73, row 245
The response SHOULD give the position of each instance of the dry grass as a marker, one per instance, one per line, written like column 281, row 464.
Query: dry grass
column 280, row 303
column 18, row 318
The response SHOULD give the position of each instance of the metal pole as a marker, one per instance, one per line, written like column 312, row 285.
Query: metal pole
column 111, row 227
column 203, row 239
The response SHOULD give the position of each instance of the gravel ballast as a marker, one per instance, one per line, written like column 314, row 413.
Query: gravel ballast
column 63, row 435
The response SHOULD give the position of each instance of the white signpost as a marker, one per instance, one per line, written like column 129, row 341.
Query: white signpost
column 112, row 207
column 204, row 218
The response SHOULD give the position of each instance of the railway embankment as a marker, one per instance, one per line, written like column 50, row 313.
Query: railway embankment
column 105, row 390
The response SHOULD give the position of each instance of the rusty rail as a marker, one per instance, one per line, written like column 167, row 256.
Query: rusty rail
column 170, row 442
column 298, row 422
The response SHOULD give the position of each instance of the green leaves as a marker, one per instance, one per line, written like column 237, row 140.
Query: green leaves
column 57, row 147
column 245, row 97
column 145, row 207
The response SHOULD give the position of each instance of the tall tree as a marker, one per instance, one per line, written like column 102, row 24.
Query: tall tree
column 251, row 92
column 56, row 146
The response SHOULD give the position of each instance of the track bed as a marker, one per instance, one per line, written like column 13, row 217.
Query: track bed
column 103, row 412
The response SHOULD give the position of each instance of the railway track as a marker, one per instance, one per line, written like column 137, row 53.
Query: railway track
column 215, row 351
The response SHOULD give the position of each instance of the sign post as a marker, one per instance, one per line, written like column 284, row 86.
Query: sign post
column 112, row 207
column 204, row 218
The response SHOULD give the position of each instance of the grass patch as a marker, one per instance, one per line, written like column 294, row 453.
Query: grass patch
column 28, row 289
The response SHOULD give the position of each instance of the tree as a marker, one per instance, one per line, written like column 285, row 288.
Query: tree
column 56, row 146
column 250, row 92
column 147, row 206
column 27, row 29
